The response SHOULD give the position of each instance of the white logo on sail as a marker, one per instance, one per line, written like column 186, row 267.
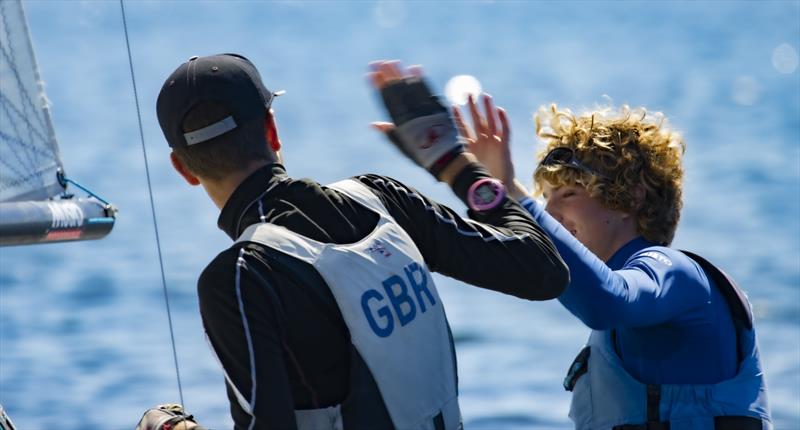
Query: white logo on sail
column 66, row 215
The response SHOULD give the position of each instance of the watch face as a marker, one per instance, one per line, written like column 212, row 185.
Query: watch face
column 485, row 194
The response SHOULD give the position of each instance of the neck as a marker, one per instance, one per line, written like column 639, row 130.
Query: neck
column 618, row 244
column 221, row 190
column 625, row 233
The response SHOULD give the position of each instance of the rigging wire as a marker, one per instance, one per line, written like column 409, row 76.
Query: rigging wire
column 65, row 181
column 152, row 205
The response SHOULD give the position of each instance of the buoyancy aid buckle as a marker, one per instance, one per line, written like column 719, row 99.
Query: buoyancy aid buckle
column 578, row 367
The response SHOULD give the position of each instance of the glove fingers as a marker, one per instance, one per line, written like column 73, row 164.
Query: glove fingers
column 394, row 96
column 408, row 99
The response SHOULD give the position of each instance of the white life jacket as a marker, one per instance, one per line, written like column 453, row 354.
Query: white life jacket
column 394, row 314
column 605, row 396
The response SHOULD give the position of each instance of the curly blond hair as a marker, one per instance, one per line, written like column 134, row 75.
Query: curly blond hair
column 633, row 163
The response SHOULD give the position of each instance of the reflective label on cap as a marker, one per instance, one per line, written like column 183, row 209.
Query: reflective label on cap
column 210, row 132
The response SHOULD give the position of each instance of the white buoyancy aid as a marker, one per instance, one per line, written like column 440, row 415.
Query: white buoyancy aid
column 605, row 396
column 394, row 314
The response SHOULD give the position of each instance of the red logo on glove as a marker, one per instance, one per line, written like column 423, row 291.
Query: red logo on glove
column 434, row 133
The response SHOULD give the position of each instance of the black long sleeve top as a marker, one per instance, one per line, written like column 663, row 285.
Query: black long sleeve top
column 274, row 324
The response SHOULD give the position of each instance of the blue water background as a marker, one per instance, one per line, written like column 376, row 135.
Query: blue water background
column 84, row 340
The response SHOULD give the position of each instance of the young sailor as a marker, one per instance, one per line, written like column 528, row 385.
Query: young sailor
column 672, row 343
column 323, row 313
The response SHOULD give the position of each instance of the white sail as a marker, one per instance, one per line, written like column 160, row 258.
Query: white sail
column 29, row 157
column 34, row 207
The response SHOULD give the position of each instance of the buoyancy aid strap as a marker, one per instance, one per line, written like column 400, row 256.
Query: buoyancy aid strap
column 741, row 313
column 727, row 422
column 737, row 423
column 734, row 296
column 653, row 413
column 361, row 194
column 653, row 403
column 730, row 422
column 664, row 425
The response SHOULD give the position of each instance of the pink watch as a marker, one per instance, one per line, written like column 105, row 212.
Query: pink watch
column 485, row 194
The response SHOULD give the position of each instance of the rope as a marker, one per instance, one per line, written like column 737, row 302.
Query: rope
column 64, row 181
column 152, row 204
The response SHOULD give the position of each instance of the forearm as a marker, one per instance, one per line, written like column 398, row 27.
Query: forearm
column 512, row 255
column 517, row 191
column 456, row 166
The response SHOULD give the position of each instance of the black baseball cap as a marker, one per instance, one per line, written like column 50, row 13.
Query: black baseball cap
column 228, row 82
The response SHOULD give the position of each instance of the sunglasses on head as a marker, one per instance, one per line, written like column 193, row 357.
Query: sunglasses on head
column 564, row 156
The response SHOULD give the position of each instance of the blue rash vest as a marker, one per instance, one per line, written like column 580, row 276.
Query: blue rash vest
column 671, row 323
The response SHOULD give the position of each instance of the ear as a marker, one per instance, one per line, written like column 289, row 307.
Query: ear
column 271, row 132
column 180, row 168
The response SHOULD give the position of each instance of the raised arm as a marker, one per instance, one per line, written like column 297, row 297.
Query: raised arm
column 639, row 294
column 490, row 144
column 645, row 291
column 503, row 249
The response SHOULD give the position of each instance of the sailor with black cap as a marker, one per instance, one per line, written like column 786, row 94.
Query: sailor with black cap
column 323, row 313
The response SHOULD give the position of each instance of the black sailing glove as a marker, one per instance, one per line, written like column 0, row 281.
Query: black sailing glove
column 424, row 130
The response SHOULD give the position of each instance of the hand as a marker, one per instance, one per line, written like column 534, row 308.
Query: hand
column 422, row 128
column 490, row 144
column 167, row 417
